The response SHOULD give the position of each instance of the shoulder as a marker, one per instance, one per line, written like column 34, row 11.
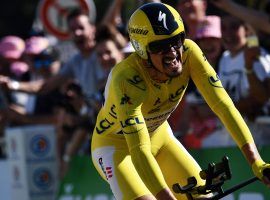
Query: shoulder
column 127, row 74
column 190, row 44
column 191, row 48
column 127, row 67
column 192, row 53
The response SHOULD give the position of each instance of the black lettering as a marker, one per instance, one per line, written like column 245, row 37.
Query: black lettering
column 112, row 112
column 135, row 81
column 131, row 122
column 175, row 97
column 138, row 31
column 104, row 125
column 138, row 121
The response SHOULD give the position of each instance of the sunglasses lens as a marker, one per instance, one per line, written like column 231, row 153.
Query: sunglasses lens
column 157, row 47
column 162, row 46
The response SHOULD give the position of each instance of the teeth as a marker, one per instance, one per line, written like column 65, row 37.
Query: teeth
column 169, row 60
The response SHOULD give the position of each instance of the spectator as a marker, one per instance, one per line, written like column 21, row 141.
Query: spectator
column 208, row 37
column 11, row 50
column 82, row 67
column 75, row 120
column 259, row 19
column 244, row 68
column 109, row 54
column 85, row 70
column 192, row 11
column 41, row 60
column 39, row 108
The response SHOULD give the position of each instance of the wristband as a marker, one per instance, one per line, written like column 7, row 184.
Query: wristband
column 257, row 167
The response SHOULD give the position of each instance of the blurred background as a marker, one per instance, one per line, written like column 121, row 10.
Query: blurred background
column 52, row 83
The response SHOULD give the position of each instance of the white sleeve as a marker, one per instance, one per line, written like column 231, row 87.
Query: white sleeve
column 262, row 66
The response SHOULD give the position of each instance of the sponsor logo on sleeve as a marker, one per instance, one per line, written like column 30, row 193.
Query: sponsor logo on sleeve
column 137, row 82
column 103, row 125
column 215, row 81
column 131, row 121
column 125, row 100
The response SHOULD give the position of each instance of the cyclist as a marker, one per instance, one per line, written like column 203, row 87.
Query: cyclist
column 133, row 147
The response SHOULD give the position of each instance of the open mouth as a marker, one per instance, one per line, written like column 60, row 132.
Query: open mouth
column 171, row 62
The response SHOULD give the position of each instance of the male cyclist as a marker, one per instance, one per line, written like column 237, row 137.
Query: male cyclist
column 133, row 147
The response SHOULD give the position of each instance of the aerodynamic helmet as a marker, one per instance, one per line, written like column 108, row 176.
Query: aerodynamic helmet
column 153, row 22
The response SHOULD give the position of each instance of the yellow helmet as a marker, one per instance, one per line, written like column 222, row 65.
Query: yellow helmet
column 152, row 22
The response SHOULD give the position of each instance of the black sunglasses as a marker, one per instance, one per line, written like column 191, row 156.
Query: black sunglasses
column 163, row 46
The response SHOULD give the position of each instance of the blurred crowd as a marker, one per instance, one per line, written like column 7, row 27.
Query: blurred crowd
column 38, row 86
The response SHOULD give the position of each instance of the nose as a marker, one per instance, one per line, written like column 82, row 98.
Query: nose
column 171, row 49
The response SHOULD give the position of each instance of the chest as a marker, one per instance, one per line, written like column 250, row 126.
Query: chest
column 163, row 98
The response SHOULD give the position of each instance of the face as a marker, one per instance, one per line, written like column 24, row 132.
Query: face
column 108, row 54
column 82, row 33
column 212, row 48
column 166, row 57
column 192, row 10
column 233, row 34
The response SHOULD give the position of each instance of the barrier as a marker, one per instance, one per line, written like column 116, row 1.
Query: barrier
column 32, row 162
column 82, row 181
column 33, row 169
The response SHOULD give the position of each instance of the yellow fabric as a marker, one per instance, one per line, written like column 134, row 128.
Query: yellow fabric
column 136, row 106
column 258, row 166
column 175, row 163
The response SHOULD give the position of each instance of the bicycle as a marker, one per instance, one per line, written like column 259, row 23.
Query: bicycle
column 215, row 176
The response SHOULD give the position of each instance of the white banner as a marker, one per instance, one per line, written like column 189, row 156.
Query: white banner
column 32, row 160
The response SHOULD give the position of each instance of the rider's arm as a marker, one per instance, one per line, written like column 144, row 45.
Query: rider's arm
column 217, row 98
column 209, row 85
column 129, row 97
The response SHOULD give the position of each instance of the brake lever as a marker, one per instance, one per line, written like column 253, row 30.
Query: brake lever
column 192, row 182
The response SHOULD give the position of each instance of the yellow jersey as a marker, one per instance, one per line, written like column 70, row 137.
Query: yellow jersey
column 135, row 103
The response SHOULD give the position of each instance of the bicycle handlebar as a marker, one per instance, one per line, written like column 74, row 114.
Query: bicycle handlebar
column 215, row 176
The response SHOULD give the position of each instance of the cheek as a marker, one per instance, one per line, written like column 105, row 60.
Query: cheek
column 156, row 60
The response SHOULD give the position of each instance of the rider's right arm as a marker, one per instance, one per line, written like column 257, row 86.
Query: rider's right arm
column 129, row 93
